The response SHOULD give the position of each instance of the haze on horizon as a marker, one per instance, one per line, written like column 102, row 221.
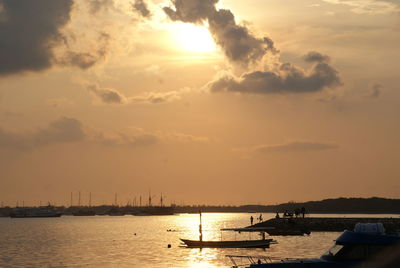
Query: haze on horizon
column 206, row 101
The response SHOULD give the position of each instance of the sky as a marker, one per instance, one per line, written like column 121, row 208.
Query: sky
column 218, row 102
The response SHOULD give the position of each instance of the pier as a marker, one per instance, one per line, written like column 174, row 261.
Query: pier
column 328, row 224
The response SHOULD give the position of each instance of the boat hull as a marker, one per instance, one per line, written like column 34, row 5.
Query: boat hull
column 227, row 244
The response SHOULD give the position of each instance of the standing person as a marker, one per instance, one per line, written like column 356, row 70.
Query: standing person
column 260, row 218
column 251, row 220
column 303, row 211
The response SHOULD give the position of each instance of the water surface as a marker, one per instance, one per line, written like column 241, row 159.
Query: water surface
column 106, row 241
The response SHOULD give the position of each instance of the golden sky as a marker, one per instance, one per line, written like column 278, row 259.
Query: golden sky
column 205, row 101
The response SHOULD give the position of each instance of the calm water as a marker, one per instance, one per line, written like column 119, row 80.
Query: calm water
column 104, row 241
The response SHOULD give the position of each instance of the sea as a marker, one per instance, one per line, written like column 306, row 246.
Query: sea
column 143, row 241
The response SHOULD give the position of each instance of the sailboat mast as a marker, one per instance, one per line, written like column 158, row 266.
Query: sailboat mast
column 149, row 197
column 200, row 229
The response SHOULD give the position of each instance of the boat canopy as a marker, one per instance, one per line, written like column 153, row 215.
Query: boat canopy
column 349, row 237
column 249, row 229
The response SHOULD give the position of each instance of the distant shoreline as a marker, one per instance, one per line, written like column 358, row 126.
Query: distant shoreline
column 373, row 205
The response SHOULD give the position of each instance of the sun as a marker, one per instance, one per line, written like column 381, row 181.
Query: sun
column 193, row 38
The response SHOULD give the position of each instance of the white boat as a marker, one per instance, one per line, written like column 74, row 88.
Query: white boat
column 37, row 212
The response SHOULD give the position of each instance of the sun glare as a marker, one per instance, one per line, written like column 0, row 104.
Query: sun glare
column 193, row 38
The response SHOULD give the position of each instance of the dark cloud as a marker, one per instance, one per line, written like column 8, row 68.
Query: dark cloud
column 314, row 56
column 28, row 32
column 61, row 131
column 295, row 146
column 85, row 59
column 140, row 6
column 286, row 79
column 193, row 11
column 237, row 42
column 107, row 95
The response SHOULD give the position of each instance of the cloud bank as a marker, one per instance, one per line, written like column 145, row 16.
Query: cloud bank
column 237, row 42
column 290, row 147
column 287, row 78
column 69, row 130
column 113, row 96
column 29, row 31
column 63, row 130
column 241, row 46
column 107, row 95
column 368, row 6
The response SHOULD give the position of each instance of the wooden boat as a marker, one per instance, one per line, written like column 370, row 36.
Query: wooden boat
column 228, row 244
column 260, row 243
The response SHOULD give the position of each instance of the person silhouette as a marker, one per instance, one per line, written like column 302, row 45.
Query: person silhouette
column 251, row 220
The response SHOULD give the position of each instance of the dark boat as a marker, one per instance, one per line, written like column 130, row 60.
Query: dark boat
column 153, row 211
column 227, row 244
column 260, row 243
column 367, row 245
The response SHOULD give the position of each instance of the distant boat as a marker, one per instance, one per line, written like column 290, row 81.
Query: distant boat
column 153, row 211
column 115, row 212
column 38, row 212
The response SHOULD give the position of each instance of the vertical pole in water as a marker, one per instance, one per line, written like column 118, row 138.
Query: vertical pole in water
column 200, row 229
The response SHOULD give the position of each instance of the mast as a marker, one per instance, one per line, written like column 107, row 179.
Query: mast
column 200, row 229
column 149, row 197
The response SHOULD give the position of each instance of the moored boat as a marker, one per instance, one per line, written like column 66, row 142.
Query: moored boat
column 351, row 249
column 228, row 244
column 37, row 212
column 259, row 243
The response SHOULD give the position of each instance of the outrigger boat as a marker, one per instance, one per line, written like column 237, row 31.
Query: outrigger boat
column 260, row 243
column 228, row 244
